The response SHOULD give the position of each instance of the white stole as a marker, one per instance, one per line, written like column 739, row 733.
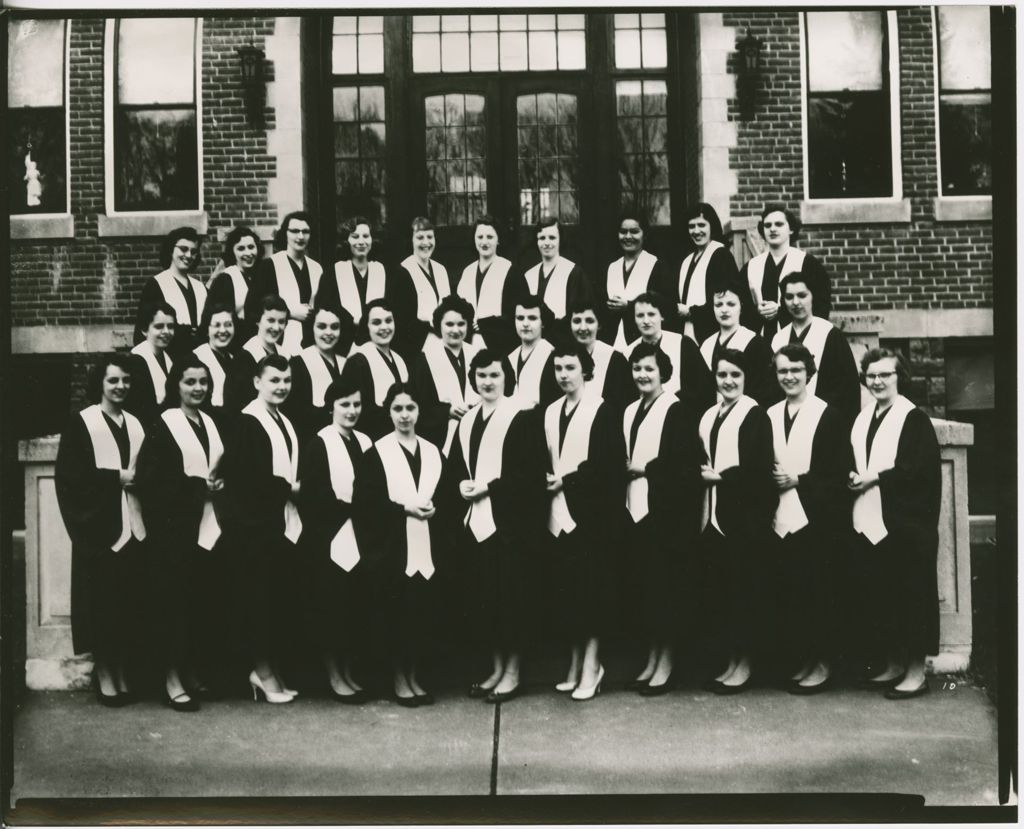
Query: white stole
column 197, row 466
column 319, row 374
column 345, row 278
column 156, row 371
column 672, row 344
column 867, row 508
column 344, row 547
column 648, row 442
column 739, row 340
column 175, row 296
column 488, row 303
column 480, row 518
column 288, row 288
column 527, row 394
column 402, row 489
column 107, row 455
column 382, row 376
column 205, row 353
column 637, row 284
column 794, row 263
column 286, row 464
column 794, row 455
column 239, row 287
column 446, row 381
column 697, row 291
column 575, row 448
column 558, row 282
column 602, row 355
column 426, row 299
column 727, row 449
column 814, row 341
column 254, row 346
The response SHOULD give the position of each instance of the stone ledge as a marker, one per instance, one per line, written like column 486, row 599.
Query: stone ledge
column 854, row 211
column 38, row 450
column 69, row 339
column 865, row 322
column 157, row 223
column 962, row 208
column 953, row 432
column 41, row 226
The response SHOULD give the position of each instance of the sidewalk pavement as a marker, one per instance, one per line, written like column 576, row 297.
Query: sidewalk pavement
column 941, row 746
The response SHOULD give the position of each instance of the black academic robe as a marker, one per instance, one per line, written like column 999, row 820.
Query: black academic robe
column 696, row 384
column 307, row 418
column 222, row 292
column 264, row 284
column 186, row 337
column 238, row 385
column 816, row 275
column 721, row 270
column 374, row 420
column 141, row 400
column 577, row 289
column 434, row 413
column 838, row 382
column 618, row 390
column 499, row 332
column 610, row 318
column 760, row 381
column 105, row 586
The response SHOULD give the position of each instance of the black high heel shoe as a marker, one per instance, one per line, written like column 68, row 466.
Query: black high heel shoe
column 426, row 698
column 724, row 690
column 503, row 696
column 478, row 691
column 176, row 703
column 650, row 690
column 637, row 684
column 355, row 698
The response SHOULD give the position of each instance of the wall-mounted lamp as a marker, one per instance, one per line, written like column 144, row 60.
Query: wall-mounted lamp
column 749, row 71
column 250, row 60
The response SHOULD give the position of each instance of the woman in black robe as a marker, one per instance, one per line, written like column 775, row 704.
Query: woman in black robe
column 812, row 459
column 739, row 503
column 488, row 284
column 663, row 457
column 260, row 472
column 95, row 485
column 497, row 464
column 395, row 514
column 585, row 484
column 612, row 381
column 313, row 370
column 241, row 257
column 218, row 354
column 633, row 273
column 179, row 478
column 343, row 574
column 151, row 362
column 897, row 482
column 270, row 327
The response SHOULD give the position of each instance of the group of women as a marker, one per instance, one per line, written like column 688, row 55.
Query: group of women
column 348, row 455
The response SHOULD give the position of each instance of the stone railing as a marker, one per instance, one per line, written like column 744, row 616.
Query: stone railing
column 51, row 664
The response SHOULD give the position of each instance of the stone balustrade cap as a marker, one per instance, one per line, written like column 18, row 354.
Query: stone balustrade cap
column 857, row 323
column 39, row 450
column 953, row 433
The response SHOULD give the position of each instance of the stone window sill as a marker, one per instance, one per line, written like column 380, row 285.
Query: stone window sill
column 963, row 209
column 43, row 226
column 854, row 211
column 150, row 224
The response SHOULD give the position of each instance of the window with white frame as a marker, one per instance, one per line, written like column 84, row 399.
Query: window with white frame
column 964, row 62
column 155, row 119
column 37, row 160
column 640, row 41
column 850, row 147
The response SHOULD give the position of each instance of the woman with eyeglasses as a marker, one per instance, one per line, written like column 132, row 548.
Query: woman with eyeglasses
column 897, row 486
column 241, row 257
column 292, row 274
column 175, row 286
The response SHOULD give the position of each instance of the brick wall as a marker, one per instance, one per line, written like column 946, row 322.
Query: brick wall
column 920, row 264
column 97, row 281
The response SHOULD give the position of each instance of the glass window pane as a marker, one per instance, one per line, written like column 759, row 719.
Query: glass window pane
column 426, row 53
column 526, row 108
column 483, row 50
column 572, row 50
column 483, row 22
column 371, row 103
column 547, row 108
column 543, row 51
column 456, row 176
column 345, row 25
column 629, row 97
column 344, row 56
column 513, row 22
column 35, row 63
column 36, row 167
column 844, row 50
column 541, row 22
column 627, row 49
column 371, row 24
column 454, row 110
column 652, row 21
column 658, row 210
column 371, row 141
column 455, row 52
column 655, row 134
column 426, row 23
column 965, row 136
column 571, row 21
column 568, row 209
column 474, row 109
column 655, row 97
column 965, row 54
column 655, row 54
column 476, row 145
column 434, row 105
column 567, row 140
column 513, row 50
column 371, row 54
column 346, row 140
column 848, row 146
column 455, row 141
column 346, row 103
column 155, row 162
column 455, row 23
column 156, row 60
column 627, row 21
column 630, row 135
column 435, row 142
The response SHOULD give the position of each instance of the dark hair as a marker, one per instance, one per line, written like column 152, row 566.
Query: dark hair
column 548, row 221
column 239, row 232
column 397, row 389
column 574, row 349
column 732, row 286
column 453, row 302
column 172, row 238
column 485, row 357
column 274, row 361
column 528, row 301
column 350, row 224
column 364, row 322
column 272, row 302
column 281, row 236
column 734, row 356
column 873, row 355
column 791, row 218
column 329, row 307
column 172, row 395
column 98, row 370
column 421, row 223
column 806, row 277
column 797, row 353
column 342, row 387
column 148, row 312
column 637, row 216
column 705, row 211
column 660, row 357
column 650, row 298
column 490, row 221
column 581, row 304
column 216, row 308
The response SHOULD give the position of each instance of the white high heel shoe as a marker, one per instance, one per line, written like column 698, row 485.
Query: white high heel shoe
column 581, row 694
column 276, row 697
column 566, row 687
